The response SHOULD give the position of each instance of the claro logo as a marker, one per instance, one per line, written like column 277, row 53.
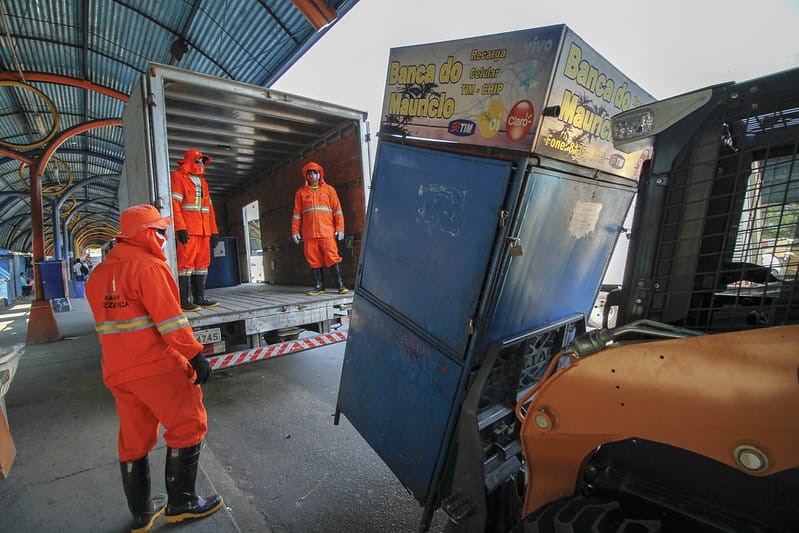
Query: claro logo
column 520, row 120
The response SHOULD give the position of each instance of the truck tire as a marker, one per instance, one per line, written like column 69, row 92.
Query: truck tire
column 578, row 514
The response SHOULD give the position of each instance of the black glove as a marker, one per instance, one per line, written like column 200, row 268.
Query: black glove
column 202, row 367
column 214, row 240
column 183, row 236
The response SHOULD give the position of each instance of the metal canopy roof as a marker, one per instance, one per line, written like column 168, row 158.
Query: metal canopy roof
column 68, row 66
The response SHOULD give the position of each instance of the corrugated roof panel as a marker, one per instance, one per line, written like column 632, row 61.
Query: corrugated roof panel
column 123, row 33
column 170, row 14
column 231, row 35
column 108, row 148
column 13, row 126
column 281, row 46
column 101, row 106
column 55, row 21
column 70, row 106
column 111, row 73
column 124, row 39
column 24, row 128
column 44, row 34
column 39, row 56
column 9, row 177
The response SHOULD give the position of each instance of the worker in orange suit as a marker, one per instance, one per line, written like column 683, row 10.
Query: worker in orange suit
column 195, row 229
column 154, row 368
column 318, row 222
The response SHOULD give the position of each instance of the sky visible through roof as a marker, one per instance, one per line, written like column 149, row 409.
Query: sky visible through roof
column 666, row 47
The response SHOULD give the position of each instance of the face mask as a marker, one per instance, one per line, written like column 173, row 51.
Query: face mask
column 161, row 238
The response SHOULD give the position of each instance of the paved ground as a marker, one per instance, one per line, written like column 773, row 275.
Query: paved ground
column 272, row 450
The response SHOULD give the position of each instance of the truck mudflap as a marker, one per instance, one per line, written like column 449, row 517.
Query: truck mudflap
column 244, row 357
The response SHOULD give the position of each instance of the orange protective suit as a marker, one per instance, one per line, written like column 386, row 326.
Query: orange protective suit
column 317, row 217
column 193, row 211
column 146, row 341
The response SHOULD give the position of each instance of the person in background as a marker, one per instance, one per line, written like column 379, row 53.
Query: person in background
column 25, row 284
column 79, row 270
column 153, row 366
column 318, row 221
column 195, row 228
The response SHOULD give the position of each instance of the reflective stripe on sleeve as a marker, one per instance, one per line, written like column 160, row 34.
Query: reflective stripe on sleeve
column 124, row 326
column 177, row 196
column 172, row 324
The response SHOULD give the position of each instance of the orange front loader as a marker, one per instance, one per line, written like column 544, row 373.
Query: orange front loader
column 685, row 417
column 719, row 411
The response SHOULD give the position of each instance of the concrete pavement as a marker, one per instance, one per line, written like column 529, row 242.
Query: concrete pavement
column 272, row 449
column 63, row 422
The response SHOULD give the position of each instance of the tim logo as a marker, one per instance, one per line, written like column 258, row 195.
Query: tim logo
column 616, row 161
column 461, row 128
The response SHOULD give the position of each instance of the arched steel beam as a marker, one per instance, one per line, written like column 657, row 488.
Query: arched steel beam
column 94, row 232
column 42, row 326
column 4, row 207
column 42, row 161
column 89, row 153
column 83, row 183
column 15, row 218
column 14, row 194
column 25, row 237
column 60, row 203
column 99, row 200
column 63, row 80
column 13, row 154
column 77, row 231
column 22, row 196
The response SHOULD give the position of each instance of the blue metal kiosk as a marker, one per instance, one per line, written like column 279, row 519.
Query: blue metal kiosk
column 497, row 201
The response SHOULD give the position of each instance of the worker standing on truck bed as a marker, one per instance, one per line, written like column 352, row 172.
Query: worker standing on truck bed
column 153, row 366
column 318, row 222
column 195, row 228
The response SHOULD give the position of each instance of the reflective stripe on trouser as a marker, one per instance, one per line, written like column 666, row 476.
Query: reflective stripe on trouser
column 171, row 399
column 321, row 252
column 194, row 256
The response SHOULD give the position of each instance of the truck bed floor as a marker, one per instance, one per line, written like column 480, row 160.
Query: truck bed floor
column 265, row 307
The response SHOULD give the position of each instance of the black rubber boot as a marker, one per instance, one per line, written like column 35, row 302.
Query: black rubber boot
column 181, row 474
column 320, row 282
column 136, row 481
column 336, row 268
column 198, row 288
column 184, row 287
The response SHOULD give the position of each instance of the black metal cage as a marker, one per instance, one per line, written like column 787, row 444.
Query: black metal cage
column 726, row 252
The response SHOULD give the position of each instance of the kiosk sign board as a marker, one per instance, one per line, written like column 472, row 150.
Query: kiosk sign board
column 541, row 90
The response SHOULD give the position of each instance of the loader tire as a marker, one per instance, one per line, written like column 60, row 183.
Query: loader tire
column 579, row 514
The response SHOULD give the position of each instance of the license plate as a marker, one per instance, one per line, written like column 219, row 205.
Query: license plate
column 208, row 336
column 213, row 349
